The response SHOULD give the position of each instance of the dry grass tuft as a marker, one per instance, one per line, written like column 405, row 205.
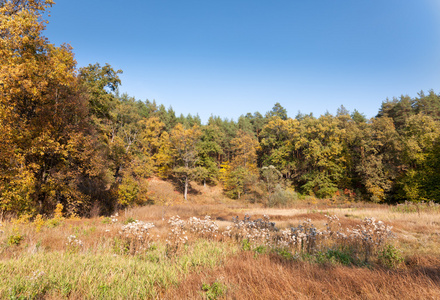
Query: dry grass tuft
column 268, row 277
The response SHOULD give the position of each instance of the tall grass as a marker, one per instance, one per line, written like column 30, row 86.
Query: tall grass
column 103, row 275
column 139, row 255
column 246, row 276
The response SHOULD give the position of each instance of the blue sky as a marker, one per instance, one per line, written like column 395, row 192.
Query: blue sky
column 231, row 57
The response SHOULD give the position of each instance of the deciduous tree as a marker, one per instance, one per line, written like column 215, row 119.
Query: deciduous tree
column 185, row 141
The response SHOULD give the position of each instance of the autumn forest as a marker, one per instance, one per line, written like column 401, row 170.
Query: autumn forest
column 68, row 136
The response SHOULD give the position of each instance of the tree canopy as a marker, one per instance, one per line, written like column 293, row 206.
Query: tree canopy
column 68, row 136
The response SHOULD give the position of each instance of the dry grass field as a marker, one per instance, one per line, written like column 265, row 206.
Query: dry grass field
column 315, row 250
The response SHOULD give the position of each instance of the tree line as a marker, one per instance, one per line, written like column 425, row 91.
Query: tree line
column 68, row 136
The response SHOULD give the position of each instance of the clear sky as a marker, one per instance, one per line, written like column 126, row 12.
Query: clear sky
column 230, row 57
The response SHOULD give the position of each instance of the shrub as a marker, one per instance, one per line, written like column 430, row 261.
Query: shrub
column 285, row 253
column 256, row 232
column 215, row 290
column 340, row 256
column 177, row 237
column 129, row 220
column 135, row 236
column 204, row 228
column 15, row 239
column 335, row 244
column 282, row 197
column 121, row 246
column 57, row 218
column 390, row 257
column 73, row 244
column 38, row 223
column 260, row 249
column 52, row 223
column 245, row 245
column 106, row 220
column 58, row 213
column 23, row 219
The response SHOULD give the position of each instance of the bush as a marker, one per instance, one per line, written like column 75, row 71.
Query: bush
column 285, row 253
column 214, row 291
column 15, row 239
column 245, row 245
column 260, row 249
column 390, row 257
column 106, row 220
column 340, row 256
column 129, row 220
column 38, row 222
column 134, row 237
column 52, row 223
column 73, row 244
column 121, row 246
column 282, row 197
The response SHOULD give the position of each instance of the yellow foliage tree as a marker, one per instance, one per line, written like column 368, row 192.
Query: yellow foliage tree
column 241, row 173
column 164, row 158
column 245, row 151
column 185, row 141
column 150, row 140
column 47, row 150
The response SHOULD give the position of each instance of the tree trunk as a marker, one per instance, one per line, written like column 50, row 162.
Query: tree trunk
column 186, row 188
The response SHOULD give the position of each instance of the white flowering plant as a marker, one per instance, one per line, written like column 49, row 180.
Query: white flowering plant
column 134, row 237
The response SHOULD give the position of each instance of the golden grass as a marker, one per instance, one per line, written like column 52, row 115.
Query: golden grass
column 96, row 271
column 247, row 276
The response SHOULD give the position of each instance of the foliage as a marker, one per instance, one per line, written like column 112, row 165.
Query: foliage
column 128, row 191
column 14, row 239
column 184, row 142
column 240, row 175
column 48, row 150
column 342, row 256
column 38, row 223
column 68, row 137
column 276, row 192
column 420, row 135
column 214, row 290
column 390, row 257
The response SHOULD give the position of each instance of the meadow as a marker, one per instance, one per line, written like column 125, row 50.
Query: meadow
column 313, row 249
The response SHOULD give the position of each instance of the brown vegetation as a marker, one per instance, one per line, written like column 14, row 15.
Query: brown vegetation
column 213, row 266
column 267, row 277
